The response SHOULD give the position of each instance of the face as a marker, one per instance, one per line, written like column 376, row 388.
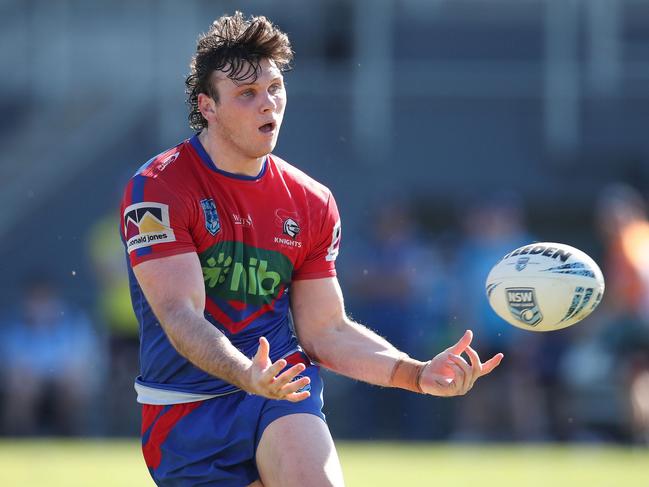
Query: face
column 248, row 116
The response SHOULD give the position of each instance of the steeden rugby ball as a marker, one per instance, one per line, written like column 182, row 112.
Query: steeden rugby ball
column 545, row 286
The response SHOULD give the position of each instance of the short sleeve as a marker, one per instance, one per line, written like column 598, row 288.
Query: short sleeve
column 155, row 221
column 320, row 261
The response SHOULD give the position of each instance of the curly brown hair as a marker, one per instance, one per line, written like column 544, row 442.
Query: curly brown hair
column 236, row 46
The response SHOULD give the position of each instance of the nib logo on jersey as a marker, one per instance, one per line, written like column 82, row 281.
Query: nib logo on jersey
column 243, row 283
column 146, row 224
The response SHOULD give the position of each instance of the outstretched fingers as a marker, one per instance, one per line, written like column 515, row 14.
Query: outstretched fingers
column 271, row 372
column 297, row 396
column 269, row 380
column 262, row 356
column 462, row 343
column 287, row 376
column 450, row 373
column 492, row 363
column 483, row 368
column 290, row 389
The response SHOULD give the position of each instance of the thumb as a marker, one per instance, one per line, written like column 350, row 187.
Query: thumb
column 261, row 357
column 462, row 344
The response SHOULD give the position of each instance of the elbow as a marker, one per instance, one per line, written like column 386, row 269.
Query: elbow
column 311, row 348
column 322, row 341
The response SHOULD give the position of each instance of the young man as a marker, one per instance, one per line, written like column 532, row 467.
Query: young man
column 232, row 264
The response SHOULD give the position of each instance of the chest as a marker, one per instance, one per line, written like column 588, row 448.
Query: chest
column 249, row 239
column 263, row 217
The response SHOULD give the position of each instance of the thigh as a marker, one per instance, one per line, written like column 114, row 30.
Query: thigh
column 210, row 442
column 297, row 450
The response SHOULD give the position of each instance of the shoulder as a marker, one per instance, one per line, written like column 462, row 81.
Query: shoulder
column 298, row 180
column 161, row 188
column 165, row 174
column 166, row 165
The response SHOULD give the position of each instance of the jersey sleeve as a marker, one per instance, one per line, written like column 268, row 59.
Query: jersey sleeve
column 320, row 261
column 155, row 221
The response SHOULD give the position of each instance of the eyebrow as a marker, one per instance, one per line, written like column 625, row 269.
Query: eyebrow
column 276, row 78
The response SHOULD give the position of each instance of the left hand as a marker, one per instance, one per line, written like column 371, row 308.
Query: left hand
column 448, row 374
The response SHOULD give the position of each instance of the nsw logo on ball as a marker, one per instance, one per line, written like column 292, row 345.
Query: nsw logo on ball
column 521, row 263
column 523, row 305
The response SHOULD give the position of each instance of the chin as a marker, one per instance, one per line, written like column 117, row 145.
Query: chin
column 256, row 154
column 265, row 149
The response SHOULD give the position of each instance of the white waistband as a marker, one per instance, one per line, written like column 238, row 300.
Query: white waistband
column 151, row 395
column 163, row 397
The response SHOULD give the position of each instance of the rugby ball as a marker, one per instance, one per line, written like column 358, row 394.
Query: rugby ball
column 544, row 286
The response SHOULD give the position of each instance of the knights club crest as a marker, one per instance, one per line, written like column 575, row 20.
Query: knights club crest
column 212, row 222
column 291, row 227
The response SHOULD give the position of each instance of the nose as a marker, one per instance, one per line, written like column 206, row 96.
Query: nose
column 268, row 103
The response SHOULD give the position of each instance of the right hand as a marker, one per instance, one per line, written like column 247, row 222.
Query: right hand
column 448, row 374
column 265, row 381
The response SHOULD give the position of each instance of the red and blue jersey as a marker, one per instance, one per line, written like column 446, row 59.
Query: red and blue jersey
column 253, row 236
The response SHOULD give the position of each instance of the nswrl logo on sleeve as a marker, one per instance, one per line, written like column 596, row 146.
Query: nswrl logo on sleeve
column 212, row 222
column 146, row 224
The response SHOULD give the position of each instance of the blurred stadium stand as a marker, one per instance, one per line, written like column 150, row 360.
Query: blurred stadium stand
column 427, row 102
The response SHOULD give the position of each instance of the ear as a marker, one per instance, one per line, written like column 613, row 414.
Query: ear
column 207, row 107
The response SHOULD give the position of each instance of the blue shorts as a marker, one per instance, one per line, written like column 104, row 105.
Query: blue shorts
column 213, row 442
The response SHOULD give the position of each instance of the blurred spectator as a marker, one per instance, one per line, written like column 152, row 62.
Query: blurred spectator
column 116, row 313
column 607, row 369
column 388, row 266
column 391, row 281
column 51, row 359
column 108, row 258
column 513, row 405
column 622, row 222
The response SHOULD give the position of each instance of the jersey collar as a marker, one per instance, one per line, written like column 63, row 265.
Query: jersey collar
column 207, row 160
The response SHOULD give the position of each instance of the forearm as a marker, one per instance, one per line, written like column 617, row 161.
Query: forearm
column 353, row 350
column 206, row 347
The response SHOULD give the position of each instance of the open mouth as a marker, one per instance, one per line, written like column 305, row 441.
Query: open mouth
column 267, row 127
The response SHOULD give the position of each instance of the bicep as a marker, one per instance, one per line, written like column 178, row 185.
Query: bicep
column 317, row 306
column 172, row 282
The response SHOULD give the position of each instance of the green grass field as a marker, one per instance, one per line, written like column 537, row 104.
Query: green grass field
column 54, row 463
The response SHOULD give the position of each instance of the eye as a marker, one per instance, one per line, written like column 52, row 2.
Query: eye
column 247, row 93
column 275, row 88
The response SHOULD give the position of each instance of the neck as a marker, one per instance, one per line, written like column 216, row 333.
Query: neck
column 227, row 158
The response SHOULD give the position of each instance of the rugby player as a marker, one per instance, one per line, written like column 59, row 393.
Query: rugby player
column 232, row 264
